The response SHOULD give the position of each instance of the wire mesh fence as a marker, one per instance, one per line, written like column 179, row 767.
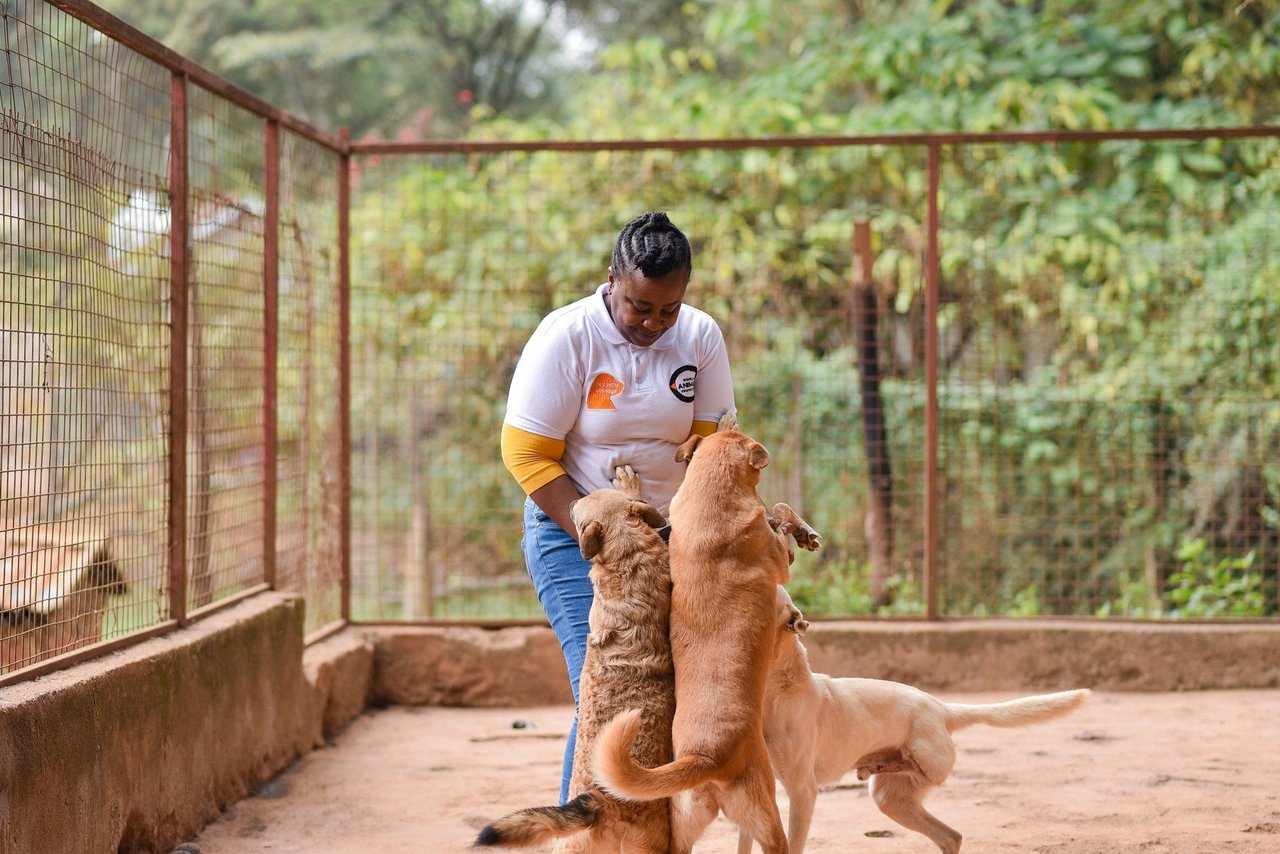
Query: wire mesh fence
column 83, row 338
column 1108, row 385
column 88, row 430
column 456, row 257
column 1003, row 374
column 309, row 407
column 225, row 320
column 1085, row 465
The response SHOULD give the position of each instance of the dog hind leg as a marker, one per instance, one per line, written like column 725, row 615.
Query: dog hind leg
column 644, row 839
column 900, row 796
column 887, row 761
column 577, row 844
column 751, row 803
column 691, row 811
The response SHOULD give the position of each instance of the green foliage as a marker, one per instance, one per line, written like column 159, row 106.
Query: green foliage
column 1208, row 586
column 1108, row 361
column 831, row 589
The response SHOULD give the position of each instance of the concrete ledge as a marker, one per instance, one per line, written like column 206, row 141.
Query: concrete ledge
column 468, row 667
column 139, row 749
column 524, row 667
column 340, row 671
column 1021, row 655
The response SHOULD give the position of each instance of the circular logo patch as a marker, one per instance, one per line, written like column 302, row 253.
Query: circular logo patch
column 682, row 382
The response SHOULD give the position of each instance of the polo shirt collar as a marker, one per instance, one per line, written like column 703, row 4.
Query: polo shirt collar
column 600, row 318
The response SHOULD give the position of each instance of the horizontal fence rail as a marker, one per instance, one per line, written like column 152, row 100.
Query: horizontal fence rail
column 1020, row 374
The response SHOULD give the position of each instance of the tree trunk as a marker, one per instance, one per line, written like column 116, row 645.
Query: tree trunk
column 1161, row 467
column 418, row 591
column 879, row 521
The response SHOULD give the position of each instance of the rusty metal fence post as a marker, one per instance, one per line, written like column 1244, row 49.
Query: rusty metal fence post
column 931, row 397
column 270, row 350
column 344, row 365
column 179, row 277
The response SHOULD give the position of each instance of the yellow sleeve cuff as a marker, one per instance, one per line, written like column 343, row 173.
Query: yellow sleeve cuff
column 533, row 460
column 703, row 428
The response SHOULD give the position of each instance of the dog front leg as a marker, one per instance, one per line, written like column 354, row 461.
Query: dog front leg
column 626, row 481
column 802, row 795
column 786, row 521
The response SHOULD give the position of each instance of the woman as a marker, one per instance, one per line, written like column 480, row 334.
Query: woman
column 620, row 377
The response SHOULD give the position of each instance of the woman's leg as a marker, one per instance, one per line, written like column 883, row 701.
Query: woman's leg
column 560, row 577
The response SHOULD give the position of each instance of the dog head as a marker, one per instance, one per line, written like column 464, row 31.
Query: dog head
column 607, row 515
column 788, row 615
column 731, row 446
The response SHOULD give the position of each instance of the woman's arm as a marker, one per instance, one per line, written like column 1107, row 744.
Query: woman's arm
column 534, row 461
column 555, row 498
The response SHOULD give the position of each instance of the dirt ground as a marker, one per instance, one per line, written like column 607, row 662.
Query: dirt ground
column 1170, row 772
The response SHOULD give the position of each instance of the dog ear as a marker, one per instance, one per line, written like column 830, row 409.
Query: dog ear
column 648, row 514
column 591, row 539
column 684, row 453
column 758, row 455
column 796, row 621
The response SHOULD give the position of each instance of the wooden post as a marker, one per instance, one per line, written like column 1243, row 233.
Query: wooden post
column 875, row 432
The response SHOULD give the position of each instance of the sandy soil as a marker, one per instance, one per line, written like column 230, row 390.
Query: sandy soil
column 1185, row 772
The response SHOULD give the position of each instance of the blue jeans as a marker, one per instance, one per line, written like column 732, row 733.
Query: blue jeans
column 559, row 573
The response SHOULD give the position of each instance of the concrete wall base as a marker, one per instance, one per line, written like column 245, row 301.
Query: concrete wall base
column 1034, row 655
column 524, row 667
column 138, row 750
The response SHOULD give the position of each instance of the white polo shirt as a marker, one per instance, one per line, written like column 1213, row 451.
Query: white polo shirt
column 614, row 403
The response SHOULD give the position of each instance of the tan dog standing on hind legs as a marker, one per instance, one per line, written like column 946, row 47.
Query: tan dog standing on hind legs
column 627, row 665
column 820, row 728
column 726, row 562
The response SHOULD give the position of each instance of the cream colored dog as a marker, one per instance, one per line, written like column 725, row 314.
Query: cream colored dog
column 818, row 729
column 726, row 562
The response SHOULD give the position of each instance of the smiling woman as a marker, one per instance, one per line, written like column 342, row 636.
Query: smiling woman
column 620, row 377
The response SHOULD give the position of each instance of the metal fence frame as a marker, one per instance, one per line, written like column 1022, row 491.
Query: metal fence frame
column 184, row 74
column 933, row 145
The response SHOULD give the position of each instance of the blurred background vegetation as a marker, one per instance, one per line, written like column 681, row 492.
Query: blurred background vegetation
column 1110, row 379
column 704, row 68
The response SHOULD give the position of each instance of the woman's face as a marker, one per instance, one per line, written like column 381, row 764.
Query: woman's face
column 643, row 308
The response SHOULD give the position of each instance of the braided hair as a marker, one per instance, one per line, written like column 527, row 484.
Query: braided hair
column 653, row 245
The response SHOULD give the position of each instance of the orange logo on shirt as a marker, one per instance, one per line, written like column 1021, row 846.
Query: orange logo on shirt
column 603, row 388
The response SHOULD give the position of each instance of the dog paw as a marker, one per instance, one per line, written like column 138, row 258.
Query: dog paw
column 626, row 480
column 787, row 522
column 808, row 539
column 728, row 421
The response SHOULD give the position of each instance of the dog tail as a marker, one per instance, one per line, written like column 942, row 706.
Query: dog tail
column 538, row 824
column 1021, row 712
column 619, row 775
